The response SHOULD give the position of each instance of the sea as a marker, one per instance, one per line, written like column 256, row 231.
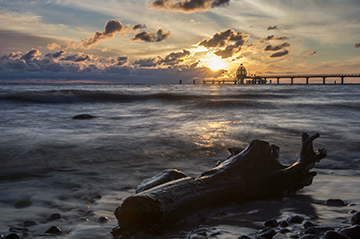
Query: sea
column 56, row 171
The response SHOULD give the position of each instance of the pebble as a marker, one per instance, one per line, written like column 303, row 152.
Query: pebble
column 308, row 224
column 271, row 223
column 309, row 236
column 334, row 235
column 29, row 223
column 18, row 229
column 318, row 230
column 12, row 236
column 197, row 237
column 54, row 216
column 335, row 202
column 84, row 116
column 267, row 233
column 53, row 230
column 22, row 203
column 352, row 232
column 355, row 219
column 297, row 219
column 244, row 237
column 103, row 219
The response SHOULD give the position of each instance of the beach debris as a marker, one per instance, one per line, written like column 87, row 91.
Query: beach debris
column 335, row 202
column 255, row 173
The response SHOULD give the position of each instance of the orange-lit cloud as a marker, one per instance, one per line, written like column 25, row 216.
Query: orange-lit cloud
column 53, row 46
column 151, row 37
column 357, row 45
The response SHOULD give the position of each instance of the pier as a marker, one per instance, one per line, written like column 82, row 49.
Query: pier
column 243, row 78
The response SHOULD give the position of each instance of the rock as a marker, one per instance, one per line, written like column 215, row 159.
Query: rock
column 309, row 236
column 267, row 233
column 12, row 236
column 54, row 216
column 18, row 229
column 308, row 224
column 284, row 224
column 334, row 235
column 352, row 232
column 335, row 202
column 352, row 211
column 103, row 219
column 244, row 237
column 53, row 230
column 271, row 223
column 29, row 223
column 318, row 230
column 84, row 116
column 197, row 237
column 280, row 236
column 355, row 219
column 295, row 219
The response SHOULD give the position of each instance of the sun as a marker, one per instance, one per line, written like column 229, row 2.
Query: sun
column 216, row 63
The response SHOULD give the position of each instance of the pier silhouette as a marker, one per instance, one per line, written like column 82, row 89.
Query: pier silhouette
column 243, row 78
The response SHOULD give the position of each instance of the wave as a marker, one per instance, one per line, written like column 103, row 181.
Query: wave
column 75, row 96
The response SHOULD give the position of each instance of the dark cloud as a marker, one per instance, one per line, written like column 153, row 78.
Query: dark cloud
column 111, row 28
column 279, row 54
column 273, row 38
column 357, row 45
column 138, row 26
column 151, row 37
column 148, row 62
column 226, row 43
column 173, row 58
column 122, row 60
column 77, row 57
column 311, row 53
column 276, row 48
column 176, row 57
column 56, row 54
column 188, row 6
column 31, row 55
column 273, row 27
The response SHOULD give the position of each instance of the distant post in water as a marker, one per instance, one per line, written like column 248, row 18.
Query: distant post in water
column 180, row 81
column 292, row 80
column 324, row 80
column 307, row 80
column 193, row 81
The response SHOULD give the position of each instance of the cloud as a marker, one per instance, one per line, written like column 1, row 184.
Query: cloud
column 279, row 54
column 53, row 46
column 78, row 57
column 276, row 48
column 226, row 43
column 171, row 59
column 122, row 60
column 111, row 28
column 151, row 37
column 30, row 55
column 138, row 26
column 176, row 57
column 188, row 6
column 56, row 54
column 311, row 53
column 273, row 38
column 273, row 28
column 357, row 45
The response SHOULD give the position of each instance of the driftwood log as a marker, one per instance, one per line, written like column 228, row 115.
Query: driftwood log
column 254, row 173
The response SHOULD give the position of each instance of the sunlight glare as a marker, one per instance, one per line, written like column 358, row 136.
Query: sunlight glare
column 216, row 63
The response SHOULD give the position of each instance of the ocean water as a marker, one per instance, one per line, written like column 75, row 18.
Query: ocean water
column 83, row 169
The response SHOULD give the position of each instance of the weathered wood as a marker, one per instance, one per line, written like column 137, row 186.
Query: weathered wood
column 254, row 173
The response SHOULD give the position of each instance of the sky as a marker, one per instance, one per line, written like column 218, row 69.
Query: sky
column 165, row 41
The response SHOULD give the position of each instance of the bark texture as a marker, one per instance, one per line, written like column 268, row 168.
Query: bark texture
column 254, row 173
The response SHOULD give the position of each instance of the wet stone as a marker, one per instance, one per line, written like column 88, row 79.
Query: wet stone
column 352, row 232
column 297, row 219
column 267, row 233
column 54, row 216
column 29, row 223
column 196, row 236
column 243, row 237
column 53, row 230
column 355, row 219
column 334, row 235
column 18, row 229
column 12, row 236
column 308, row 224
column 271, row 223
column 284, row 224
column 309, row 236
column 103, row 219
column 84, row 116
column 318, row 230
column 335, row 202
